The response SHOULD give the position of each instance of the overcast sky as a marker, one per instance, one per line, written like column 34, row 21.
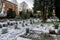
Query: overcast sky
column 29, row 2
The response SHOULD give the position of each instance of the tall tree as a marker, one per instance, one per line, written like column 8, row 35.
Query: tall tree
column 37, row 5
column 57, row 5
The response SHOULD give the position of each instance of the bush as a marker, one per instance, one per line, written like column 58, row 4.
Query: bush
column 23, row 15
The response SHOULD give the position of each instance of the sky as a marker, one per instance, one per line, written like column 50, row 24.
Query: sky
column 29, row 2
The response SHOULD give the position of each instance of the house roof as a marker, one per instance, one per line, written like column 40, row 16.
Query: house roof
column 11, row 3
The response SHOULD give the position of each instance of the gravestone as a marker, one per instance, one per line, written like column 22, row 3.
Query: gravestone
column 27, row 31
column 31, row 22
column 26, row 24
column 23, row 21
column 0, row 26
column 16, row 26
column 4, row 31
column 56, row 26
column 22, row 24
column 8, row 23
column 4, row 25
column 19, row 22
column 42, row 25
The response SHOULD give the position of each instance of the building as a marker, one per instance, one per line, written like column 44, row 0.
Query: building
column 11, row 5
column 23, row 6
column 6, row 5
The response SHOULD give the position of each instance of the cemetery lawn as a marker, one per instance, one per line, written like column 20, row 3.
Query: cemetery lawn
column 46, row 23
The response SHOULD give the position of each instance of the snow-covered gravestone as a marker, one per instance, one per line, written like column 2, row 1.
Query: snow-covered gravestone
column 22, row 24
column 16, row 26
column 31, row 22
column 19, row 22
column 4, row 25
column 0, row 26
column 4, row 31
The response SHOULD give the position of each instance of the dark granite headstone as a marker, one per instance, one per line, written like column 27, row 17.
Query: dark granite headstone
column 27, row 31
column 56, row 26
column 8, row 23
column 4, row 25
column 0, row 26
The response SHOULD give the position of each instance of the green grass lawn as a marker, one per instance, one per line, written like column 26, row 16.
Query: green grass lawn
column 46, row 23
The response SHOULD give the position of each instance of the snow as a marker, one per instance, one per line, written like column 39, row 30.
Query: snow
column 20, row 38
column 15, row 33
column 49, row 20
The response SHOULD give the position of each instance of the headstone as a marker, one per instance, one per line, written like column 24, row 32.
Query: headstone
column 11, row 24
column 16, row 26
column 56, row 26
column 30, row 21
column 8, row 23
column 19, row 22
column 23, row 21
column 27, row 31
column 4, row 25
column 22, row 24
column 0, row 26
column 4, row 31
column 42, row 25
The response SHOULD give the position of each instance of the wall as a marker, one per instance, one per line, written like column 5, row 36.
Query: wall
column 10, row 5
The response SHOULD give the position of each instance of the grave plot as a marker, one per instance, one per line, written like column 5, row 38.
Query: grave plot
column 35, row 36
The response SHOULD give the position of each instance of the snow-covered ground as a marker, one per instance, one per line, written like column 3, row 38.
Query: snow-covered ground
column 13, row 34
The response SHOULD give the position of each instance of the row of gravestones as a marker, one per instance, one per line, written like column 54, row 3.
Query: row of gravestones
column 6, row 25
column 25, row 23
